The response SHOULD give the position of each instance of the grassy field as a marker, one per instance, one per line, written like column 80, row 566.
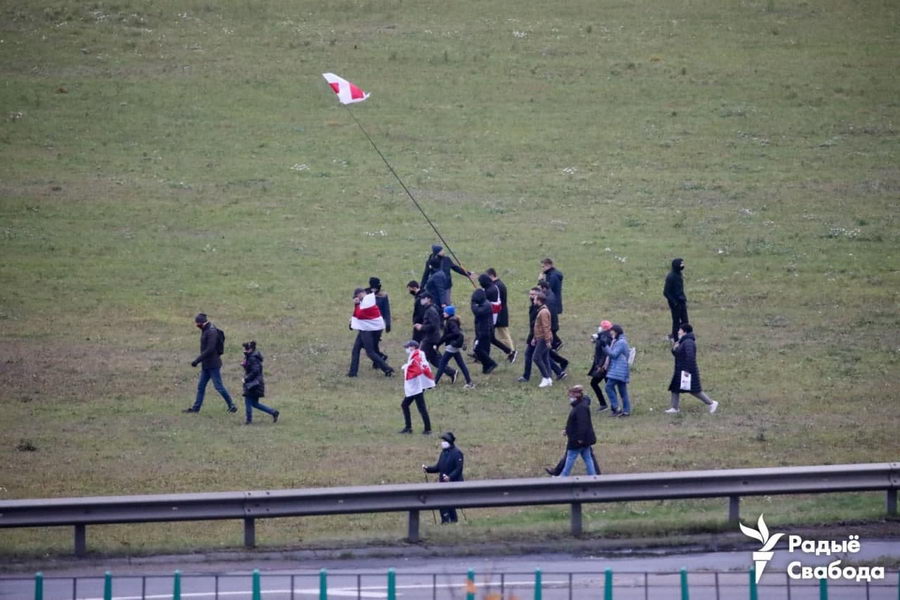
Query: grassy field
column 163, row 158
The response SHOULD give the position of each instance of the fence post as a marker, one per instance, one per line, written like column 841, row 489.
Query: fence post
column 80, row 539
column 607, row 585
column 176, row 590
column 685, row 594
column 249, row 532
column 392, row 585
column 470, row 585
column 734, row 509
column 257, row 587
column 890, row 503
column 323, row 584
column 823, row 589
column 754, row 594
column 107, row 586
column 412, row 529
column 576, row 519
column 38, row 586
column 538, row 592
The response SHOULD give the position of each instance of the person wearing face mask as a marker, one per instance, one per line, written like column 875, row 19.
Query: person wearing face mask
column 418, row 310
column 211, row 360
column 383, row 301
column 417, row 378
column 430, row 328
column 618, row 373
column 449, row 467
column 674, row 293
column 254, row 384
column 574, row 391
column 367, row 322
column 439, row 261
column 579, row 433
column 453, row 341
column 484, row 327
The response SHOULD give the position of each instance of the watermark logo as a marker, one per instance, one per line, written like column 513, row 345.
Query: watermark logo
column 762, row 556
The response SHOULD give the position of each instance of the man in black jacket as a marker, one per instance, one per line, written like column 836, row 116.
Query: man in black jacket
column 211, row 362
column 674, row 293
column 579, row 433
column 383, row 302
column 438, row 260
column 554, row 279
column 501, row 327
column 492, row 293
column 484, row 326
column 430, row 328
column 418, row 310
column 449, row 467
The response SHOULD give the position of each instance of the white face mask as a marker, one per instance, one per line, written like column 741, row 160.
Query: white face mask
column 408, row 350
column 445, row 444
column 572, row 399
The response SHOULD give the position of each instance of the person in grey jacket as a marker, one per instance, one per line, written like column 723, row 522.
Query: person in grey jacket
column 210, row 360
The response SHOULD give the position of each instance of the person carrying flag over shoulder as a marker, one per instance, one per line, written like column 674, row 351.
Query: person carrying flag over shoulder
column 417, row 378
column 368, row 323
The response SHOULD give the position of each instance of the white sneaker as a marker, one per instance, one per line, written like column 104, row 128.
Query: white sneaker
column 545, row 382
column 671, row 411
column 713, row 407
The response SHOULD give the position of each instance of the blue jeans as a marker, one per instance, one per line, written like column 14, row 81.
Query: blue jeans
column 251, row 402
column 585, row 454
column 611, row 385
column 216, row 376
column 445, row 361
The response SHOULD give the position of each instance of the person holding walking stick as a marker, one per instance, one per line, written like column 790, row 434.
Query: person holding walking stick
column 449, row 467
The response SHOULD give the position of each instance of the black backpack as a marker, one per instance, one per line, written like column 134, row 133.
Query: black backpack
column 220, row 342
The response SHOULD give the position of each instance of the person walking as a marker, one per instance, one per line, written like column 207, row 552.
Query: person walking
column 439, row 261
column 418, row 310
column 597, row 373
column 492, row 293
column 453, row 341
column 438, row 285
column 384, row 306
column 367, row 322
column 617, row 374
column 686, row 377
column 579, row 433
column 417, row 378
column 449, row 467
column 574, row 391
column 554, row 279
column 501, row 327
column 254, row 384
column 484, row 325
column 541, row 339
column 431, row 333
column 212, row 346
column 555, row 357
column 674, row 293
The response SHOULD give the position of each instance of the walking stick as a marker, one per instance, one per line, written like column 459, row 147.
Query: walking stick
column 433, row 516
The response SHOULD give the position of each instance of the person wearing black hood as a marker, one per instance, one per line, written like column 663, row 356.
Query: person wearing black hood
column 492, row 293
column 430, row 328
column 686, row 377
column 418, row 310
column 254, row 384
column 449, row 467
column 501, row 327
column 484, row 325
column 384, row 305
column 439, row 261
column 674, row 293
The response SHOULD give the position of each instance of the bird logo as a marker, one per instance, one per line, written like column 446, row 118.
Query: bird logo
column 762, row 556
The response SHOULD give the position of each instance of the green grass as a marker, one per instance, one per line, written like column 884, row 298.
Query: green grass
column 163, row 158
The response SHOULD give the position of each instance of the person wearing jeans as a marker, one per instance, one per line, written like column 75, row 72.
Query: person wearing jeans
column 579, row 432
column 542, row 338
column 617, row 374
column 211, row 361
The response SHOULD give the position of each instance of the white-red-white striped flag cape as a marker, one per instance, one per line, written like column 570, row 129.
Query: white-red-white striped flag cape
column 346, row 92
column 418, row 374
column 366, row 315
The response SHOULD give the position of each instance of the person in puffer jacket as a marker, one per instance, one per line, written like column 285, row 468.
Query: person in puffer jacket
column 617, row 374
column 254, row 384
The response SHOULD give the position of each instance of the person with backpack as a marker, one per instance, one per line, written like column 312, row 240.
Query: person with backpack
column 618, row 372
column 212, row 347
column 254, row 384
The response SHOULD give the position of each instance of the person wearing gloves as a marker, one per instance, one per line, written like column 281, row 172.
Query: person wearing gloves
column 449, row 467
column 254, row 384
column 417, row 378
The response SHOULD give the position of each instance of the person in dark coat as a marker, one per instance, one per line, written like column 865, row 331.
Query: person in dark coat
column 597, row 373
column 439, row 261
column 575, row 390
column 254, row 384
column 484, row 325
column 430, row 329
column 685, row 353
column 501, row 327
column 674, row 293
column 418, row 310
column 492, row 293
column 383, row 302
column 439, row 287
column 449, row 467
column 556, row 358
column 554, row 279
column 579, row 433
column 211, row 365
column 453, row 341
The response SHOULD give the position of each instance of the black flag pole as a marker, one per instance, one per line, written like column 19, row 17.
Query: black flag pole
column 408, row 193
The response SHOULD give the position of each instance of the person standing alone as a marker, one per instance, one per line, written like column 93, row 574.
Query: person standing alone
column 212, row 346
column 674, row 293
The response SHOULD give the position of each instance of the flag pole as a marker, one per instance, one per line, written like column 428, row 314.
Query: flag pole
column 408, row 193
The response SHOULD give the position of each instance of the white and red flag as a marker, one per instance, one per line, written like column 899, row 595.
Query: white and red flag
column 366, row 315
column 418, row 374
column 346, row 92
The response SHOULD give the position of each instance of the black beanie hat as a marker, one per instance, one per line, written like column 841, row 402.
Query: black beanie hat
column 374, row 282
column 200, row 318
column 449, row 437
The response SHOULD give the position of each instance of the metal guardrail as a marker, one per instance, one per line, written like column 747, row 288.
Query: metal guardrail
column 413, row 498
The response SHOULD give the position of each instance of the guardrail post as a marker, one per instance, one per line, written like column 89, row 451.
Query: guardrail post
column 412, row 529
column 607, row 585
column 538, row 591
column 392, row 585
column 734, row 509
column 80, row 539
column 107, row 586
column 323, row 584
column 890, row 503
column 576, row 518
column 249, row 532
column 176, row 587
column 38, row 586
column 470, row 585
column 754, row 594
column 257, row 586
column 823, row 589
column 685, row 593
